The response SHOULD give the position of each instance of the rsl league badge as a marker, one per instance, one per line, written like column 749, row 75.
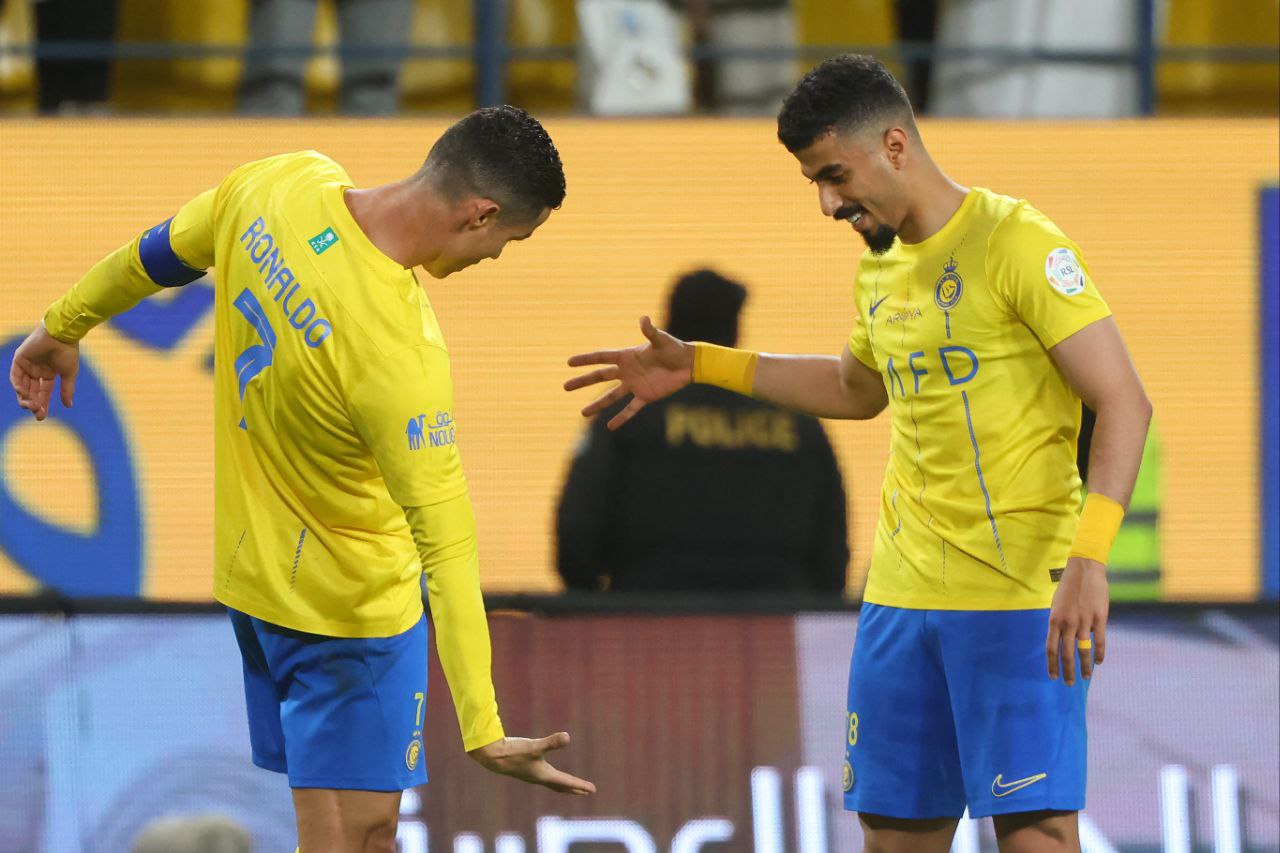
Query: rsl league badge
column 946, row 293
column 1062, row 269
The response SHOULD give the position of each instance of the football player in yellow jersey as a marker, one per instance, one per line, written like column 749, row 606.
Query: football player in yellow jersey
column 979, row 326
column 338, row 482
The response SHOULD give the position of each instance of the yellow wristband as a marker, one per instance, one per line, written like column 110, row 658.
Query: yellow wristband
column 1099, row 523
column 732, row 369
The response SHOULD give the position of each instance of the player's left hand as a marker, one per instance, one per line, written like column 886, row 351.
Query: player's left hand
column 523, row 758
column 38, row 362
column 1078, row 620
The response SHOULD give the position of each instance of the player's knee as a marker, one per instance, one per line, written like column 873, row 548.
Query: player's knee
column 881, row 842
column 899, row 842
column 1037, row 832
column 877, row 842
column 381, row 837
column 898, row 835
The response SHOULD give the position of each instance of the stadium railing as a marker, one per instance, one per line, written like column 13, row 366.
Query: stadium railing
column 489, row 51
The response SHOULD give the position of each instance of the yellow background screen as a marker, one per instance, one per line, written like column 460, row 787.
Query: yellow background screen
column 1166, row 212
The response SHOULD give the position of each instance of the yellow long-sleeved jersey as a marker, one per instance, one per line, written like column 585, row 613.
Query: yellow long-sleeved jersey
column 335, row 439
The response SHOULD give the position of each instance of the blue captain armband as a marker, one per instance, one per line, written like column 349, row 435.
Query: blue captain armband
column 162, row 264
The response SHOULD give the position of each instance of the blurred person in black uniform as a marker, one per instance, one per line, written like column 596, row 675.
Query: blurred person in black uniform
column 707, row 490
column 918, row 24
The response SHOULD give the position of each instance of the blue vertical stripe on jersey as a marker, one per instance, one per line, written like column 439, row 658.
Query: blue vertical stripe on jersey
column 977, row 465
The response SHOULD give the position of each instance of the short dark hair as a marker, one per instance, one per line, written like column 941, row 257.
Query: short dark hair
column 844, row 93
column 501, row 153
column 704, row 306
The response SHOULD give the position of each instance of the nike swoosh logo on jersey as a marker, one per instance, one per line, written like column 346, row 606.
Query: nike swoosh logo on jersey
column 876, row 304
column 1000, row 788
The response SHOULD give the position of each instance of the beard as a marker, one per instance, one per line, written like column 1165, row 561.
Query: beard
column 880, row 240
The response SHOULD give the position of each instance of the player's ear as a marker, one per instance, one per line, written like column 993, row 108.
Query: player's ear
column 895, row 146
column 484, row 212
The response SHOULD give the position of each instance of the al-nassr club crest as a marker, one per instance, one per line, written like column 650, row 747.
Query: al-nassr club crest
column 946, row 293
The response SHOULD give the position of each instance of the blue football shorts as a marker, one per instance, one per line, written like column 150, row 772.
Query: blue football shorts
column 955, row 708
column 335, row 712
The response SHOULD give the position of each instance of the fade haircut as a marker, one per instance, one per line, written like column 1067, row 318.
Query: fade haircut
column 844, row 94
column 501, row 153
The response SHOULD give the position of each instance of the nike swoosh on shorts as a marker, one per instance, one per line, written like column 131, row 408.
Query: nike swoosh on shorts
column 1000, row 788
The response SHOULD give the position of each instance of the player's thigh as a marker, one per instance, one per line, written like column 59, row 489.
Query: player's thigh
column 261, row 694
column 335, row 821
column 1022, row 736
column 901, row 759
column 1038, row 832
column 353, row 710
column 883, row 834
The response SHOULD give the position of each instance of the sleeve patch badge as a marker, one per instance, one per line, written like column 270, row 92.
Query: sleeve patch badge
column 1064, row 272
column 439, row 432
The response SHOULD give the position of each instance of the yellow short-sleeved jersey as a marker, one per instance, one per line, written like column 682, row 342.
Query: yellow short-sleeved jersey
column 981, row 493
column 337, row 413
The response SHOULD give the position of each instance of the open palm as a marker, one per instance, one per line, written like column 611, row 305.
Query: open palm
column 525, row 759
column 648, row 372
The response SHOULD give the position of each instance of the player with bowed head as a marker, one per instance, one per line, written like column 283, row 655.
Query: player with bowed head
column 337, row 476
column 980, row 328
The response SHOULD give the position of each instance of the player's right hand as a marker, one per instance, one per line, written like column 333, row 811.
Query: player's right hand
column 523, row 758
column 648, row 372
column 37, row 363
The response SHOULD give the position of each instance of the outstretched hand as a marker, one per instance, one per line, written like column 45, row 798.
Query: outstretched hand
column 649, row 371
column 523, row 758
column 38, row 362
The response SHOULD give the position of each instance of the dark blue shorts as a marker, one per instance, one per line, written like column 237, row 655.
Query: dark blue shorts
column 334, row 712
column 955, row 708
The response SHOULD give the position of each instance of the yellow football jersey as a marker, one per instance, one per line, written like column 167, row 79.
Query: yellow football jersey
column 981, row 493
column 336, row 472
column 326, row 350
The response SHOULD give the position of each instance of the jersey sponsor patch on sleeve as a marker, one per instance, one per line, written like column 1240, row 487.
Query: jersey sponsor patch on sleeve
column 438, row 432
column 1063, row 270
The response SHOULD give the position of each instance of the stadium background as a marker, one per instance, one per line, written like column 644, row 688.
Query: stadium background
column 709, row 723
column 647, row 200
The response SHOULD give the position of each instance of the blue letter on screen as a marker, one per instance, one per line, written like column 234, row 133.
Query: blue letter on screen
column 109, row 560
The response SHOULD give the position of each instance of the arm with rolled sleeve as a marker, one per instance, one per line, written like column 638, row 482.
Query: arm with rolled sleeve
column 423, row 472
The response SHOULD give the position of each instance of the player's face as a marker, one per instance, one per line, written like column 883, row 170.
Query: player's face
column 858, row 183
column 483, row 237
